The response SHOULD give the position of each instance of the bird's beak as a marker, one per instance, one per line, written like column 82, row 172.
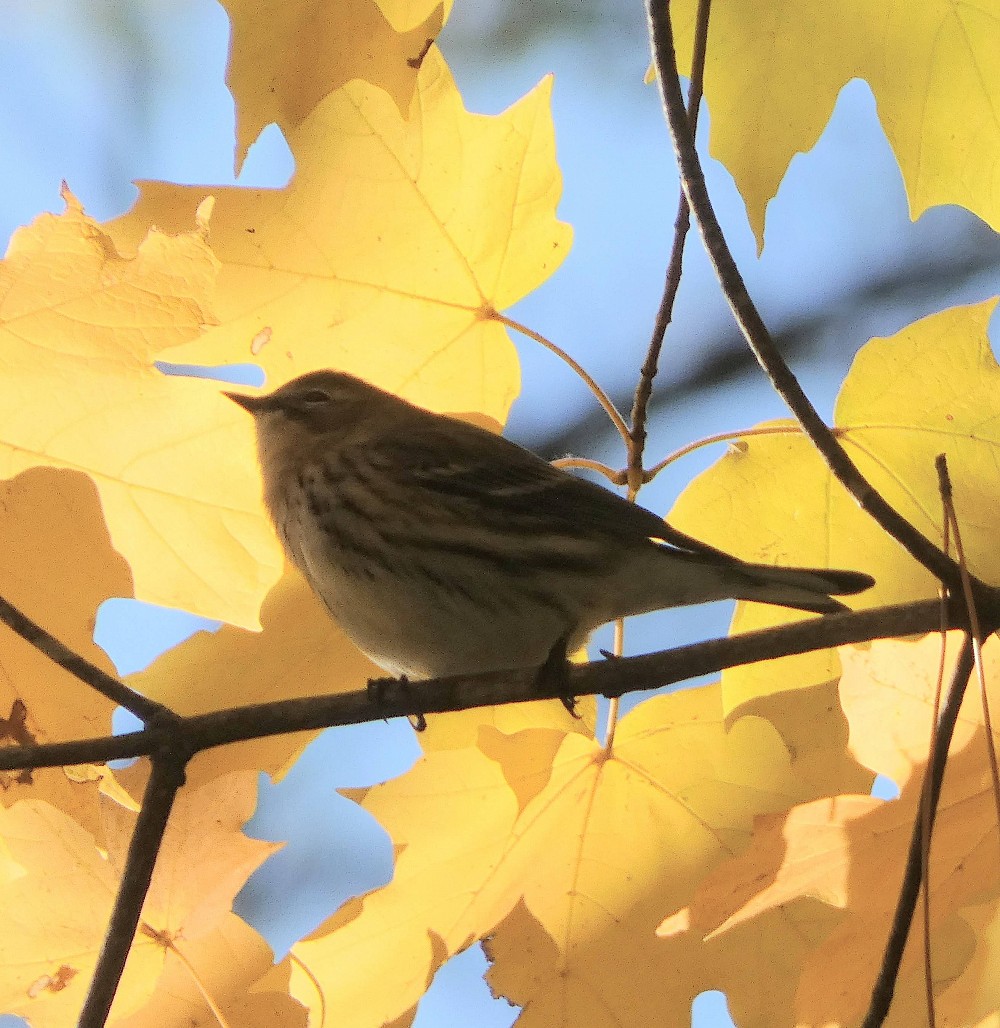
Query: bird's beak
column 253, row 404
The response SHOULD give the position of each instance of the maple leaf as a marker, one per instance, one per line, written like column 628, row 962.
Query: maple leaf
column 81, row 328
column 838, row 850
column 57, row 565
column 934, row 71
column 590, row 845
column 933, row 387
column 404, row 15
column 975, row 991
column 233, row 966
column 391, row 249
column 300, row 652
column 53, row 915
column 285, row 57
column 459, row 729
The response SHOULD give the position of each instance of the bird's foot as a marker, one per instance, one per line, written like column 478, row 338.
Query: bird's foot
column 376, row 693
column 555, row 673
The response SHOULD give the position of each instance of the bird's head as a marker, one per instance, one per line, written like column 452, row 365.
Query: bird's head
column 322, row 400
column 320, row 409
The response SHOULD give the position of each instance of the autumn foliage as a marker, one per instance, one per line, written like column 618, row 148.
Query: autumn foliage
column 727, row 839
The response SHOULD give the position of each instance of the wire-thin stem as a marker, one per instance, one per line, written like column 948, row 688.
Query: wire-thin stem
column 885, row 983
column 974, row 624
column 720, row 437
column 636, row 443
column 613, row 476
column 615, row 702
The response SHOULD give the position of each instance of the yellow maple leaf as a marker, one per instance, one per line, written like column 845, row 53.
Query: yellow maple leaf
column 285, row 57
column 887, row 691
column 404, row 15
column 81, row 329
column 837, row 851
column 234, row 967
column 300, row 652
column 934, row 68
column 57, row 566
column 459, row 729
column 976, row 993
column 405, row 926
column 390, row 250
column 590, row 845
column 933, row 387
column 53, row 917
column 205, row 858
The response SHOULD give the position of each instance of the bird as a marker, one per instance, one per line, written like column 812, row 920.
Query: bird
column 442, row 549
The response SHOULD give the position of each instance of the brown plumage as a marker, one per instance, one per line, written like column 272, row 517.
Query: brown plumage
column 443, row 549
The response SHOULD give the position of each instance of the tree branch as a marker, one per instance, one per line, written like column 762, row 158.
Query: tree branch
column 157, row 801
column 392, row 698
column 172, row 740
column 79, row 751
column 81, row 668
column 675, row 264
column 752, row 325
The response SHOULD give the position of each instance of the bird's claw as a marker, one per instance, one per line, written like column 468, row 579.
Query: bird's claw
column 555, row 672
column 376, row 693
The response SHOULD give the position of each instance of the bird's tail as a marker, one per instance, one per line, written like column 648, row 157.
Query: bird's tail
column 803, row 588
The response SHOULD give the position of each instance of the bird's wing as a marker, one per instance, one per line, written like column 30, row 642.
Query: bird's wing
column 527, row 488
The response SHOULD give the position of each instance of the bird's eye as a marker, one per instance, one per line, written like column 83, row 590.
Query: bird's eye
column 315, row 396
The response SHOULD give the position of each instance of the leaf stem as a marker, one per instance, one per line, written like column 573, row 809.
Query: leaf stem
column 721, row 437
column 602, row 397
column 613, row 476
column 968, row 595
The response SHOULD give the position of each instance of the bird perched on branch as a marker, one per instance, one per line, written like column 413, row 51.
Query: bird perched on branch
column 442, row 549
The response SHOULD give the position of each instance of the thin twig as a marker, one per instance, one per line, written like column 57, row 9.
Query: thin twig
column 81, row 668
column 682, row 223
column 636, row 443
column 885, row 983
column 925, row 796
column 974, row 623
column 750, row 321
column 166, row 778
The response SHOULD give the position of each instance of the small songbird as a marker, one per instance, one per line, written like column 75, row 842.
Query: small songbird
column 442, row 549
